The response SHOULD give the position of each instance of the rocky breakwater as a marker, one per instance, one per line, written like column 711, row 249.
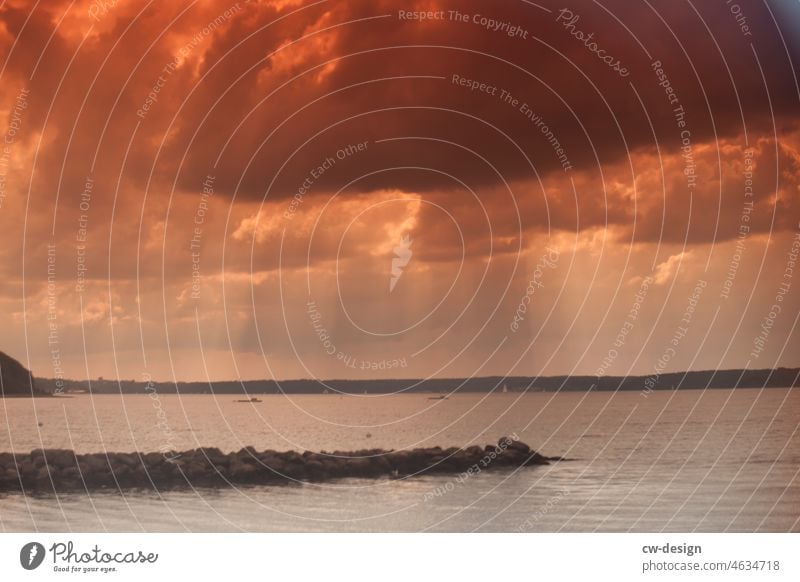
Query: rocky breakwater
column 58, row 469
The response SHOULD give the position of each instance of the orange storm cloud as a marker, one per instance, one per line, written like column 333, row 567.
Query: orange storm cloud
column 219, row 181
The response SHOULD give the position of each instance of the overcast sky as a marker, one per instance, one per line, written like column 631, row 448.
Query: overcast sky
column 286, row 189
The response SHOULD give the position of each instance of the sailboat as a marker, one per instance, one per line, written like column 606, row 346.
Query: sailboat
column 505, row 388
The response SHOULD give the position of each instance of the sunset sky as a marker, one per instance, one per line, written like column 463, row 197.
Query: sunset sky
column 345, row 189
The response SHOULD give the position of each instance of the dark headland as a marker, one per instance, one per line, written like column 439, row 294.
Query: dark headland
column 16, row 380
column 695, row 380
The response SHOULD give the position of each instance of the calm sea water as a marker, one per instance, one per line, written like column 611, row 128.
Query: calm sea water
column 717, row 460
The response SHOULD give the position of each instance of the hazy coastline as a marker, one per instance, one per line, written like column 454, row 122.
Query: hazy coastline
column 710, row 379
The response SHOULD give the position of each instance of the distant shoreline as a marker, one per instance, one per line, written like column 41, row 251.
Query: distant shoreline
column 34, row 395
column 71, row 395
column 767, row 378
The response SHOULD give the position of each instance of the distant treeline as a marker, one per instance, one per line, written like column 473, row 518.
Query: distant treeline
column 778, row 378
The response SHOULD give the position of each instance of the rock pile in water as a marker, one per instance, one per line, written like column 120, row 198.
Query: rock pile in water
column 59, row 469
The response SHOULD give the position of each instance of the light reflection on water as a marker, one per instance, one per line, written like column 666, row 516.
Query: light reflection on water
column 675, row 461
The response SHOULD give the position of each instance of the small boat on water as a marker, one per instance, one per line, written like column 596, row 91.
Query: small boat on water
column 250, row 400
column 442, row 397
column 505, row 388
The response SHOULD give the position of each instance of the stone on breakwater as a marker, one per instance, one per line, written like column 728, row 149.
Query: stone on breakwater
column 61, row 469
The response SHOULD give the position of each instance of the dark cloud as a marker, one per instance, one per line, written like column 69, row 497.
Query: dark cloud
column 272, row 99
column 288, row 86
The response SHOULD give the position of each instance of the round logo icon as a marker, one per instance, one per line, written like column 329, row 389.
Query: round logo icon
column 31, row 555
